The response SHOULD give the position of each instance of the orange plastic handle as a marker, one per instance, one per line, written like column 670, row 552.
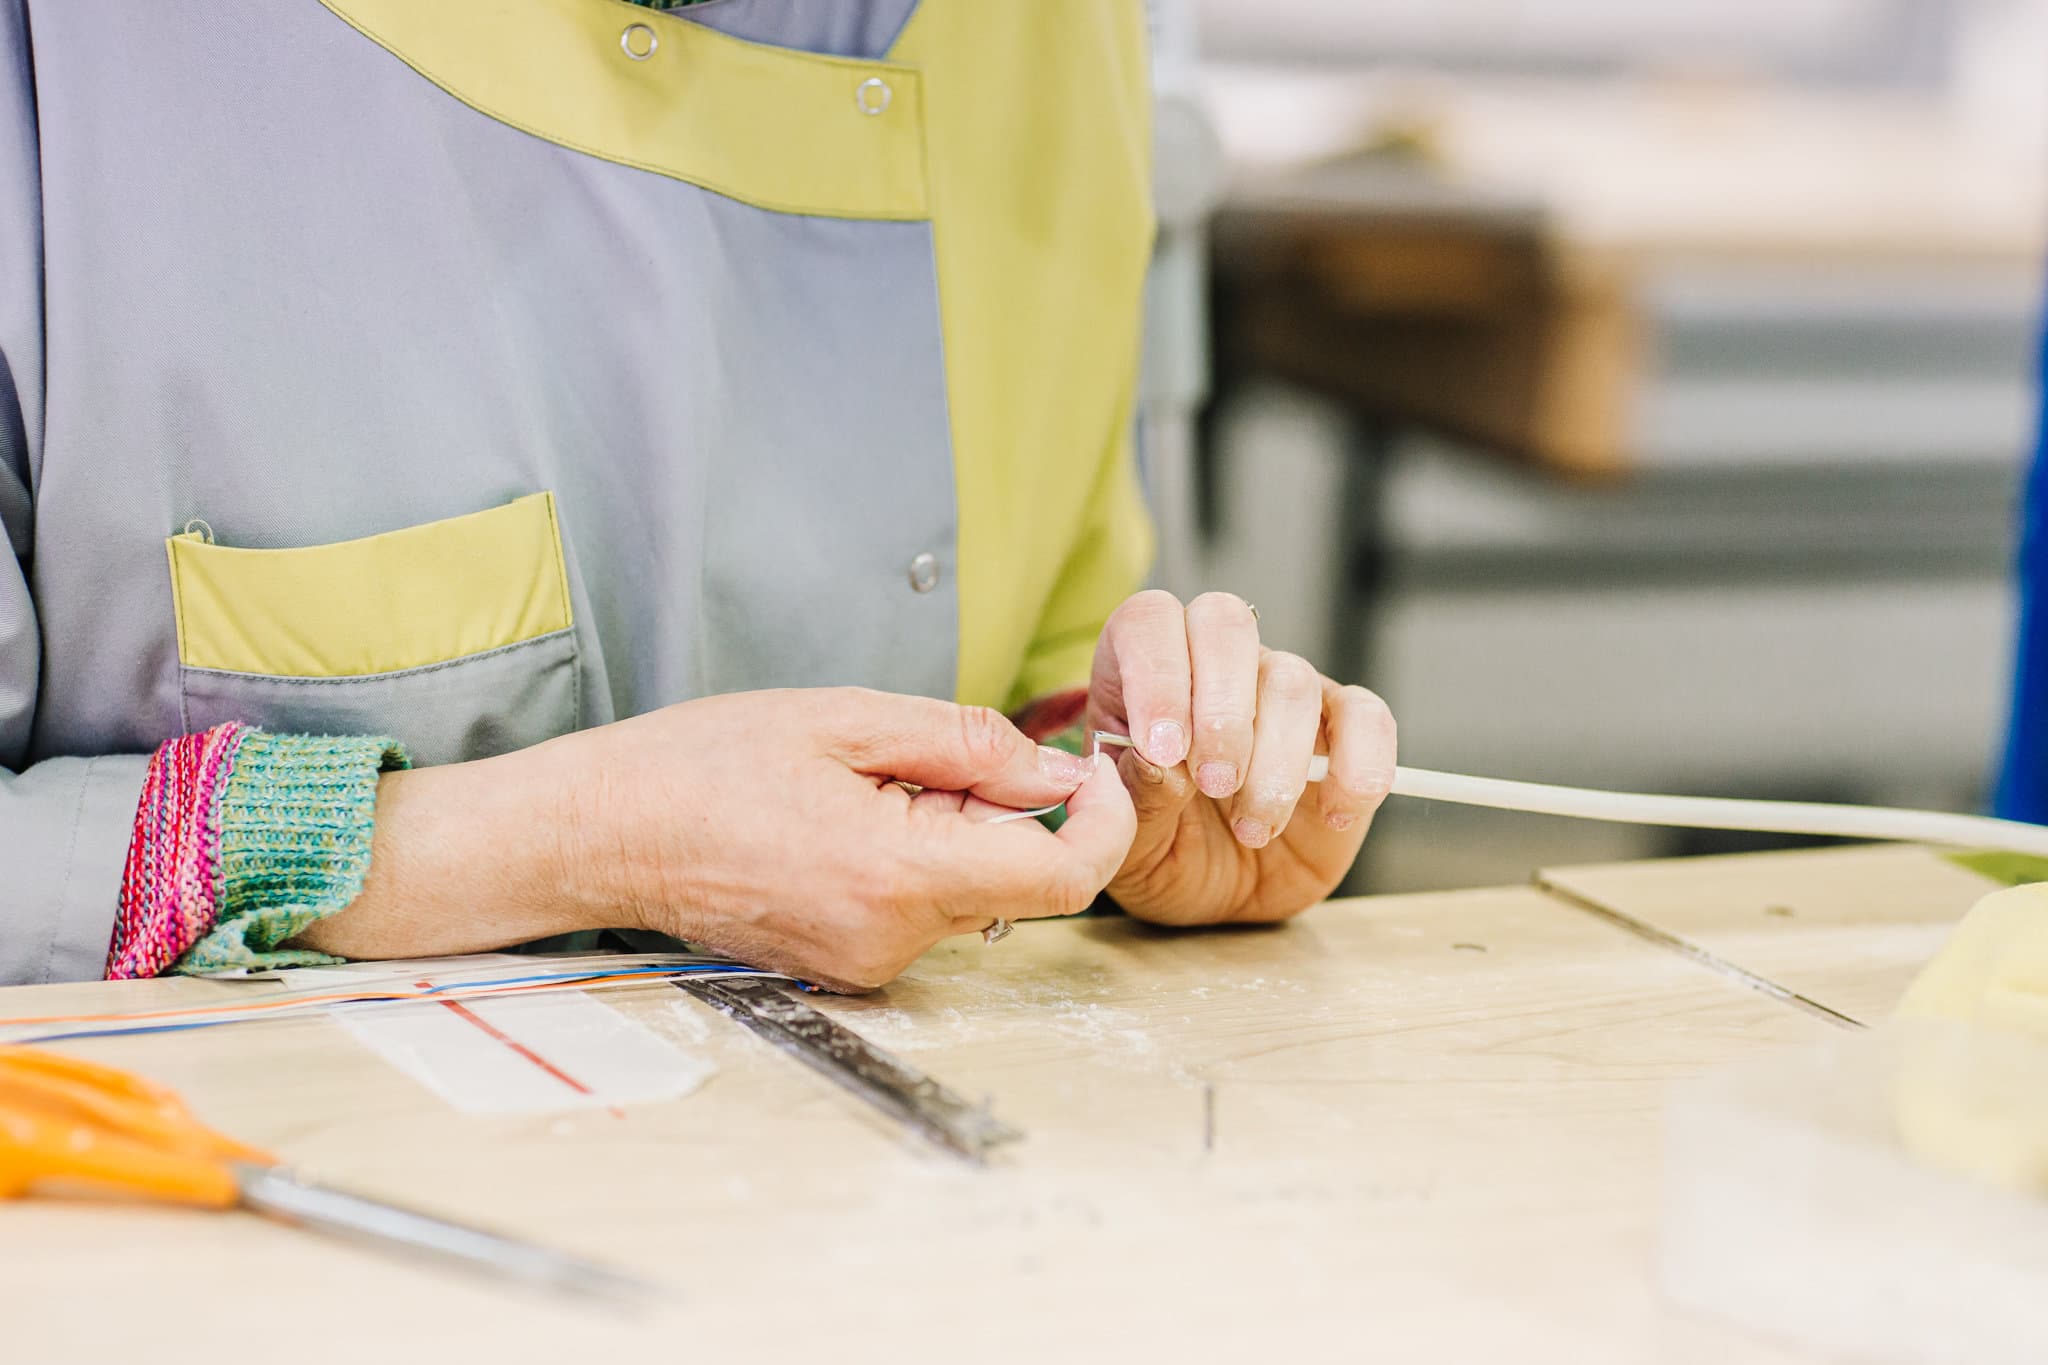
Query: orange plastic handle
column 39, row 1151
column 68, row 1090
column 29, row 1061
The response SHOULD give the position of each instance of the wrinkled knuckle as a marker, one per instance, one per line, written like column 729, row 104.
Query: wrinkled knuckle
column 985, row 736
column 1369, row 705
column 1372, row 786
column 1145, row 611
column 1292, row 676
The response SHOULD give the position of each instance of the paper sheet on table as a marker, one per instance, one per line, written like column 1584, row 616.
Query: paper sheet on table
column 527, row 1054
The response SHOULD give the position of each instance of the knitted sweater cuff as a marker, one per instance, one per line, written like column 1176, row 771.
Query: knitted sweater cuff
column 242, row 840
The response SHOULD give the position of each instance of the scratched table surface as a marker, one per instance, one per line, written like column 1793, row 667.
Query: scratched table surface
column 1415, row 1127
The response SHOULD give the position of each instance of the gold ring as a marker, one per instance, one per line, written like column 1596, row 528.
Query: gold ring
column 997, row 932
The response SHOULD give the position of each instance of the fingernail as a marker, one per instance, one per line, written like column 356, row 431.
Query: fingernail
column 1166, row 743
column 1340, row 819
column 1062, row 766
column 1103, row 762
column 1252, row 833
column 1216, row 779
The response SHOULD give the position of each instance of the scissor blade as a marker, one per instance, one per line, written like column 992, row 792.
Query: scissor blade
column 279, row 1194
column 821, row 1042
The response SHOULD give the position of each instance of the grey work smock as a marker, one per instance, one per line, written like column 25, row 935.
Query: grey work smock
column 471, row 372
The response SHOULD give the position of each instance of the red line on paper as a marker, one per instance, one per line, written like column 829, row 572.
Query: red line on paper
column 523, row 1050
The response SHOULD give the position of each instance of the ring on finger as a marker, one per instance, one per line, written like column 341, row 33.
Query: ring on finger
column 997, row 932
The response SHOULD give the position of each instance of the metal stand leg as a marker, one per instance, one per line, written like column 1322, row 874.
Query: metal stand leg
column 1362, row 550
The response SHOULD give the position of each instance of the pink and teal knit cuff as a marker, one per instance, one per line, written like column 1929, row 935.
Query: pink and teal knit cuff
column 243, row 839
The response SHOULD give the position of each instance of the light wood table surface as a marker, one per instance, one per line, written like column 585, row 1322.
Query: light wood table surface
column 1435, row 1138
column 1844, row 927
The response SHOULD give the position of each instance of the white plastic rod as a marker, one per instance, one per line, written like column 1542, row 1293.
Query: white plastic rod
column 1707, row 812
column 1701, row 812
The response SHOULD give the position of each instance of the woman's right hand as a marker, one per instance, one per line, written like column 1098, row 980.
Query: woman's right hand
column 766, row 825
column 770, row 826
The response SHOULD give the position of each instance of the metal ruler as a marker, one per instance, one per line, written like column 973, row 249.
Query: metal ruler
column 901, row 1091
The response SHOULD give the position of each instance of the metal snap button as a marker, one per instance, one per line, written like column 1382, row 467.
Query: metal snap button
column 639, row 42
column 872, row 96
column 924, row 572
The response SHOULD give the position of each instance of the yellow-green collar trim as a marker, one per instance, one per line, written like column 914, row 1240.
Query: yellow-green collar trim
column 769, row 126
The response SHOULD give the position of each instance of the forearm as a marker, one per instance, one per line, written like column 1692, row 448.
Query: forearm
column 463, row 858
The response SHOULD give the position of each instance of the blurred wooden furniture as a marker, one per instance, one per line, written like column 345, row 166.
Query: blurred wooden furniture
column 1412, row 1127
column 1533, row 266
column 1685, row 414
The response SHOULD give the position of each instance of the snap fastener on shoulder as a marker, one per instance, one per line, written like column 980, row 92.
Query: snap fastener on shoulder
column 639, row 42
column 872, row 95
column 924, row 572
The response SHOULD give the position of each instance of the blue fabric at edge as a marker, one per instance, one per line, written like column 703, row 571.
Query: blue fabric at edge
column 2023, row 787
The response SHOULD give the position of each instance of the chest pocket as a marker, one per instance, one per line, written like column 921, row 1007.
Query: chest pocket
column 455, row 636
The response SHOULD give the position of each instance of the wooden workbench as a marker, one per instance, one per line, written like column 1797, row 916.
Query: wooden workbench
column 1435, row 1137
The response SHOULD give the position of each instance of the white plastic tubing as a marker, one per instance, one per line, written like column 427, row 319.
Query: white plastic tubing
column 1705, row 812
column 1696, row 812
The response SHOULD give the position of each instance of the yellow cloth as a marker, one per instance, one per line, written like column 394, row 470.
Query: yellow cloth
column 1972, row 1097
column 360, row 607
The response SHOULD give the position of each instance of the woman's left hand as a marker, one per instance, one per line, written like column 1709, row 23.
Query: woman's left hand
column 1229, row 826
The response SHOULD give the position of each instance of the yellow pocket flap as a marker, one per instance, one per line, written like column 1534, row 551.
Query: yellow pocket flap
column 405, row 599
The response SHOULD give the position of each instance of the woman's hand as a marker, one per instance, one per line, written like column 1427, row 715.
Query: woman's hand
column 1229, row 827
column 767, row 825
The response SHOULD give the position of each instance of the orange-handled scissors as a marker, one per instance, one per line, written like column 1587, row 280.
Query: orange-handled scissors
column 71, row 1123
